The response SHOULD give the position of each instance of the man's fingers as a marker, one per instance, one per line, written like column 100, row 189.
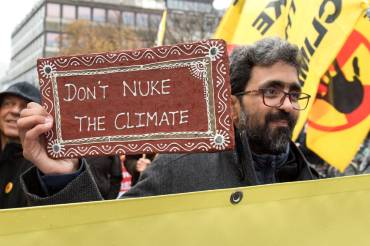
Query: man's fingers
column 144, row 161
column 33, row 105
column 31, row 121
column 34, row 133
column 36, row 110
column 140, row 167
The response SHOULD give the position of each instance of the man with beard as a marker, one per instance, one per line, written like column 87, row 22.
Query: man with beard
column 266, row 101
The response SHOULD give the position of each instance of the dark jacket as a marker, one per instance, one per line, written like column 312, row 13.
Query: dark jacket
column 12, row 165
column 179, row 173
column 175, row 173
column 107, row 172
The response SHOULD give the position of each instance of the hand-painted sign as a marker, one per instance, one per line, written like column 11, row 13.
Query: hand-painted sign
column 163, row 99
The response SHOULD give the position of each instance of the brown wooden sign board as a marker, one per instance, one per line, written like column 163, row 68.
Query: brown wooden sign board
column 162, row 99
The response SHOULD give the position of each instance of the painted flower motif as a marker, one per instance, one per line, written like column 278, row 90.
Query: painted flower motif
column 55, row 149
column 47, row 69
column 220, row 140
column 215, row 50
column 199, row 69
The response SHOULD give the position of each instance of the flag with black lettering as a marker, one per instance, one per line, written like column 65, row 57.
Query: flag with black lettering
column 229, row 23
column 339, row 120
column 318, row 27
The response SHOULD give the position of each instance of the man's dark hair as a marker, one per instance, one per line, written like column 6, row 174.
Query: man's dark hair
column 265, row 53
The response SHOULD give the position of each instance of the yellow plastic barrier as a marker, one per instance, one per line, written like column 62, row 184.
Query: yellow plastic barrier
column 324, row 212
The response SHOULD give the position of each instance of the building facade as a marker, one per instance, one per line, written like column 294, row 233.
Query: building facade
column 40, row 33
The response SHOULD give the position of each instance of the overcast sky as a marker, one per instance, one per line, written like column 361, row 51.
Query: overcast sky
column 12, row 12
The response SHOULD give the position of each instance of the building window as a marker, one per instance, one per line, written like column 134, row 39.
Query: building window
column 142, row 20
column 99, row 15
column 128, row 19
column 114, row 16
column 154, row 21
column 84, row 13
column 209, row 24
column 69, row 12
column 53, row 10
column 52, row 39
column 64, row 40
column 200, row 6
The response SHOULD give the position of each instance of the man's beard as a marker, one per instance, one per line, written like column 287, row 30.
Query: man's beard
column 267, row 139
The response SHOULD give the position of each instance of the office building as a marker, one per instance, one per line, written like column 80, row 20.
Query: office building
column 41, row 32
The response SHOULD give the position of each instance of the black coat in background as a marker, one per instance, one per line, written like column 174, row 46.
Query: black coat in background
column 107, row 173
column 12, row 165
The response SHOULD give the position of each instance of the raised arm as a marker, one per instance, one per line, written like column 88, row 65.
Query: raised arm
column 60, row 181
column 33, row 123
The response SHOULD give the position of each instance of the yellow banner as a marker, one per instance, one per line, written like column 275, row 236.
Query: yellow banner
column 323, row 212
column 340, row 116
column 318, row 27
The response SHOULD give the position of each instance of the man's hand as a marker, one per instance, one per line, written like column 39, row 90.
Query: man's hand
column 142, row 164
column 33, row 123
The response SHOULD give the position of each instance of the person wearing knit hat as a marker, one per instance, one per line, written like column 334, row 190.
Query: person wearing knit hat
column 12, row 163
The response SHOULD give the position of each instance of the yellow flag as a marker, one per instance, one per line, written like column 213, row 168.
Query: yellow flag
column 318, row 27
column 312, row 213
column 229, row 22
column 340, row 117
column 161, row 29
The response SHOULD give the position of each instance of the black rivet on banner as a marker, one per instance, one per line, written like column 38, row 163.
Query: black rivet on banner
column 236, row 197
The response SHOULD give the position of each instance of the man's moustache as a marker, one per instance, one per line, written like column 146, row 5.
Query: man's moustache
column 281, row 116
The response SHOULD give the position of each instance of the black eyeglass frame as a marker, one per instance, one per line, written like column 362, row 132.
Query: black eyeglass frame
column 261, row 91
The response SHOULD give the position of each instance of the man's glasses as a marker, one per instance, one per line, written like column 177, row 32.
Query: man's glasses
column 273, row 97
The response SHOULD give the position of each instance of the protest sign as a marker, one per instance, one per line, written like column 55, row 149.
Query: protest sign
column 163, row 99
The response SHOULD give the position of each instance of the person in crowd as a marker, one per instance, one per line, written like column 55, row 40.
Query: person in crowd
column 126, row 177
column 136, row 165
column 266, row 101
column 12, row 163
column 132, row 167
column 106, row 170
